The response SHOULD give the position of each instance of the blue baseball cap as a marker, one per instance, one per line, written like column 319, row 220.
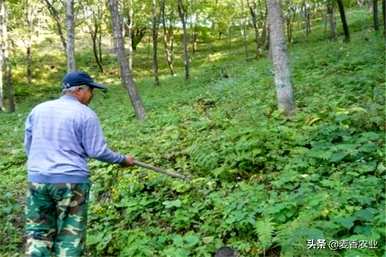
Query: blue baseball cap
column 79, row 78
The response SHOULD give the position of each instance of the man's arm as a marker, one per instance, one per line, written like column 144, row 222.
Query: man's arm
column 28, row 134
column 95, row 146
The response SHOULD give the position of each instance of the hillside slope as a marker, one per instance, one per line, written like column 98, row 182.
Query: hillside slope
column 261, row 183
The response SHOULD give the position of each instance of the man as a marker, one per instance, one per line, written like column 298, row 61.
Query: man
column 59, row 137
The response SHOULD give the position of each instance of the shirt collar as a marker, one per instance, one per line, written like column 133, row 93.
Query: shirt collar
column 69, row 97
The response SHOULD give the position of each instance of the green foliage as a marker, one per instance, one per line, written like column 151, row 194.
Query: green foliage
column 261, row 183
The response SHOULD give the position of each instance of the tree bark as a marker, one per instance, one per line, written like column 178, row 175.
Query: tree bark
column 70, row 50
column 331, row 19
column 182, row 14
column 281, row 67
column 344, row 21
column 168, row 38
column 375, row 15
column 126, row 76
column 3, row 33
column 155, row 25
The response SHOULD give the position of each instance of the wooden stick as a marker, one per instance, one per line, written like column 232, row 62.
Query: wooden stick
column 159, row 170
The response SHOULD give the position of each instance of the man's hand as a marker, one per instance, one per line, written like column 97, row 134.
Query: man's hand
column 129, row 161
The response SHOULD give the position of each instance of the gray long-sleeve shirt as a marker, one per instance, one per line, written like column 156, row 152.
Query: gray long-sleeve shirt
column 59, row 137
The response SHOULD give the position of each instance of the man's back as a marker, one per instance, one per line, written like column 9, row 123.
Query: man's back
column 55, row 144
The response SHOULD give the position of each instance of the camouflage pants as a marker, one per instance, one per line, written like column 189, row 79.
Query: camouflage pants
column 56, row 219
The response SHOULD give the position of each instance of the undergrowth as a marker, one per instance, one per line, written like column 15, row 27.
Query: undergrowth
column 261, row 183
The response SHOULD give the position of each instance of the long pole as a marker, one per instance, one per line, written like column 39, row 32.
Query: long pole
column 159, row 170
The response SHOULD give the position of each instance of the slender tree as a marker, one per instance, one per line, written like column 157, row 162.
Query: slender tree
column 155, row 26
column 331, row 19
column 344, row 21
column 130, row 32
column 70, row 49
column 281, row 67
column 93, row 14
column 307, row 18
column 9, row 86
column 244, row 30
column 168, row 37
column 375, row 15
column 384, row 17
column 253, row 11
column 126, row 77
column 30, row 17
column 3, row 35
column 182, row 13
column 55, row 14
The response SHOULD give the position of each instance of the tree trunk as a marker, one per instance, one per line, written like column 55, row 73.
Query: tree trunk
column 3, row 33
column 375, row 15
column 289, row 28
column 331, row 19
column 9, row 86
column 55, row 15
column 126, row 77
column 29, row 65
column 168, row 38
column 252, row 10
column 182, row 14
column 130, row 35
column 29, row 22
column 244, row 31
column 307, row 17
column 384, row 17
column 95, row 46
column 95, row 30
column 281, row 67
column 70, row 50
column 344, row 21
column 155, row 25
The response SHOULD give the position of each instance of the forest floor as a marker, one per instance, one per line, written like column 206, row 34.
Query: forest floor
column 262, row 184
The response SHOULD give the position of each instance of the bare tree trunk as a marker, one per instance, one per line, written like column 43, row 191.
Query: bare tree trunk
column 307, row 17
column 331, row 19
column 94, row 33
column 344, row 21
column 130, row 33
column 9, row 86
column 182, row 14
column 244, row 31
column 155, row 25
column 252, row 10
column 126, row 77
column 29, row 65
column 168, row 39
column 3, row 33
column 29, row 22
column 281, row 67
column 70, row 50
column 95, row 30
column 265, row 33
column 288, row 21
column 55, row 15
column 384, row 17
column 375, row 15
